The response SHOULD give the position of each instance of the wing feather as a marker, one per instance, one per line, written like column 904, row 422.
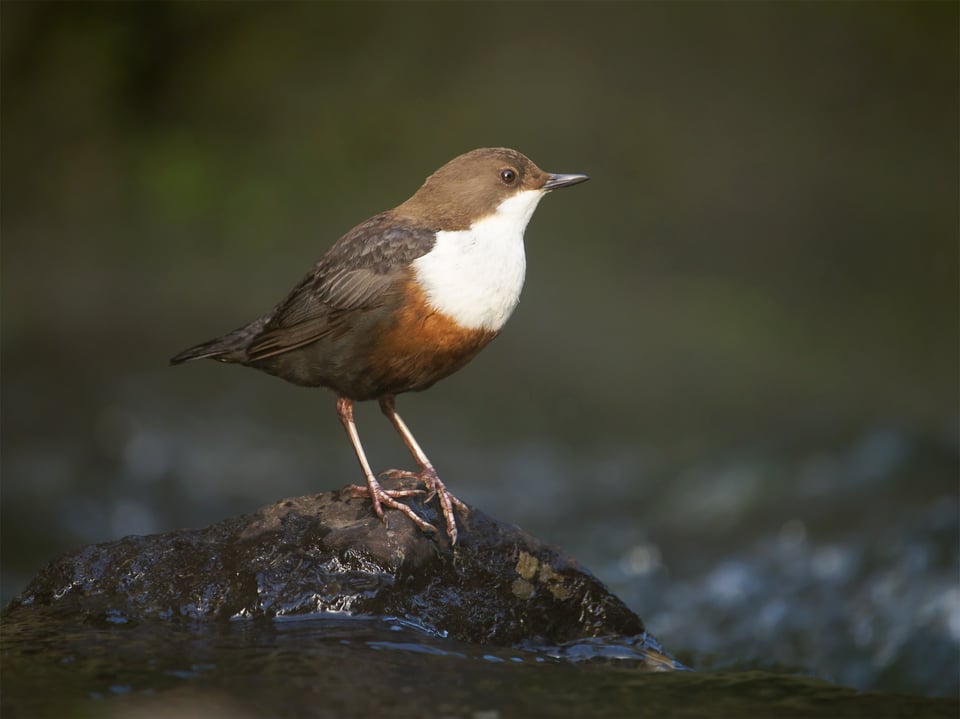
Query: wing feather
column 357, row 273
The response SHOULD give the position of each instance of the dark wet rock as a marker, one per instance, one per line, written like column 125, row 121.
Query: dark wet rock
column 329, row 553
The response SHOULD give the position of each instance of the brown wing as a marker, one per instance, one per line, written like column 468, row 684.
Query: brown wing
column 355, row 274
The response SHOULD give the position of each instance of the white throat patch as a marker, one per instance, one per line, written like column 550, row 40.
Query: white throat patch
column 474, row 276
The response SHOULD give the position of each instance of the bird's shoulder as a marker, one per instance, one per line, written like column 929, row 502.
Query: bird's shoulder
column 381, row 244
column 365, row 261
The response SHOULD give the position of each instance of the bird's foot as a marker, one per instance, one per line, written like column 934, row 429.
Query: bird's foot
column 428, row 475
column 388, row 497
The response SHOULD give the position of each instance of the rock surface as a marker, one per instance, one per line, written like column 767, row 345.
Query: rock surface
column 330, row 553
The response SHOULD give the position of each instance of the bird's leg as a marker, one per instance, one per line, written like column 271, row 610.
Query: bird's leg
column 377, row 494
column 427, row 473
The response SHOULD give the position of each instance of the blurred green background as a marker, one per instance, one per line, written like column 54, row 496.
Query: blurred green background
column 766, row 256
column 769, row 242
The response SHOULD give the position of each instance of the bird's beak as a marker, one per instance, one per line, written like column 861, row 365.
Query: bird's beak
column 556, row 181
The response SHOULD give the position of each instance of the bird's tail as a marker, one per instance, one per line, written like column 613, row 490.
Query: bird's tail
column 214, row 349
column 231, row 347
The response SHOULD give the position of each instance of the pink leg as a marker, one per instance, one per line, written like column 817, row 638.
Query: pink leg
column 377, row 494
column 427, row 473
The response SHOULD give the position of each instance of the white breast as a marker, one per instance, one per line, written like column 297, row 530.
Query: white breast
column 474, row 276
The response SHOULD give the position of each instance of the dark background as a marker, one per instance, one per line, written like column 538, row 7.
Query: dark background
column 741, row 334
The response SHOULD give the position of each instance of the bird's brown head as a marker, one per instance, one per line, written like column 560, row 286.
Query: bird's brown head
column 473, row 185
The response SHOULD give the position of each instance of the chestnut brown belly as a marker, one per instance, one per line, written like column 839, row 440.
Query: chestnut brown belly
column 397, row 347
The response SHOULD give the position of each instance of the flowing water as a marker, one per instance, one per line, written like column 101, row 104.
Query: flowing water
column 770, row 571
column 340, row 667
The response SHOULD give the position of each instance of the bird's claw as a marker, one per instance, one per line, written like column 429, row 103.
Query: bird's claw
column 387, row 497
column 435, row 488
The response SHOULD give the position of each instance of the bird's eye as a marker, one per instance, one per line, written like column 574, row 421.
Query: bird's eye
column 508, row 175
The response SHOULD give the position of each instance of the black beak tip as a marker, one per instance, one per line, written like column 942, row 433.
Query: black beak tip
column 555, row 182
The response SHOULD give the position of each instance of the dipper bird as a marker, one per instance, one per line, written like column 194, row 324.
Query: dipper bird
column 403, row 300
